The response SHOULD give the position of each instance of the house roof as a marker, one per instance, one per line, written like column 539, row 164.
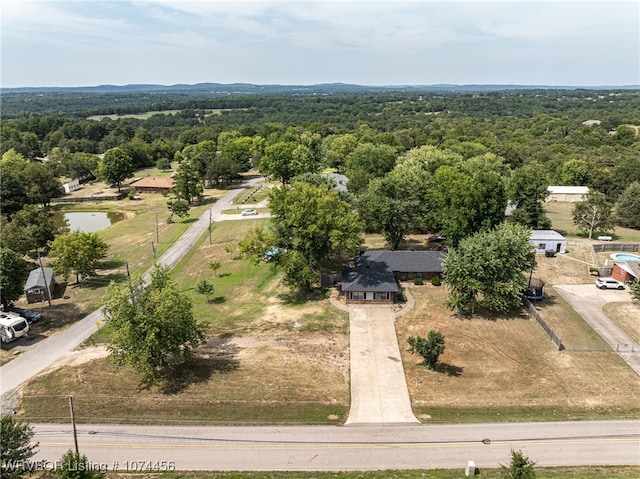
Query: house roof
column 631, row 267
column 153, row 182
column 546, row 235
column 375, row 277
column 37, row 280
column 405, row 261
column 568, row 190
column 341, row 181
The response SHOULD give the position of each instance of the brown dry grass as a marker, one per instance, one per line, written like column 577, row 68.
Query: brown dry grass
column 495, row 366
column 626, row 316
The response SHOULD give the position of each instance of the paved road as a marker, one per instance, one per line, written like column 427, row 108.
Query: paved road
column 48, row 351
column 588, row 301
column 336, row 448
column 378, row 387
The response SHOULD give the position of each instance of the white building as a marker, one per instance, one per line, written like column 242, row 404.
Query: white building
column 548, row 240
column 567, row 194
column 73, row 185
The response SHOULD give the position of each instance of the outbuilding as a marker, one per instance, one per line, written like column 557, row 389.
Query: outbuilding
column 567, row 194
column 547, row 241
column 153, row 184
column 39, row 285
column 626, row 271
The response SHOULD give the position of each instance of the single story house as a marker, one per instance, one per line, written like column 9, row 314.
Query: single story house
column 567, row 194
column 341, row 181
column 626, row 271
column 70, row 186
column 548, row 240
column 39, row 285
column 377, row 272
column 153, row 184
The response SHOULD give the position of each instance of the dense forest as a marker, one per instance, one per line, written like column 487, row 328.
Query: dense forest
column 439, row 161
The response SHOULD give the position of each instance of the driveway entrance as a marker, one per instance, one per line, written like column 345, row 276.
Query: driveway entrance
column 379, row 391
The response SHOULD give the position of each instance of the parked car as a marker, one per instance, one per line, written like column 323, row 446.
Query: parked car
column 27, row 314
column 249, row 212
column 609, row 283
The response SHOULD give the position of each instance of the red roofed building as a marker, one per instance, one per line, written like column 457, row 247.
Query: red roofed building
column 153, row 184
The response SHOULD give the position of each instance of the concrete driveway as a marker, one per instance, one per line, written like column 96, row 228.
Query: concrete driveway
column 588, row 301
column 379, row 391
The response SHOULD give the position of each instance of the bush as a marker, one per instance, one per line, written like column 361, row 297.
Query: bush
column 436, row 281
column 418, row 281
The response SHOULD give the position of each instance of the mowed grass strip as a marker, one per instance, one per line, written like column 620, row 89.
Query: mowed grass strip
column 584, row 472
column 506, row 369
column 271, row 357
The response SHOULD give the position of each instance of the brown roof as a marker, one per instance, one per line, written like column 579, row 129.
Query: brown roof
column 154, row 182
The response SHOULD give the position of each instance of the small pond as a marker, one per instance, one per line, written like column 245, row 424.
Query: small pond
column 87, row 221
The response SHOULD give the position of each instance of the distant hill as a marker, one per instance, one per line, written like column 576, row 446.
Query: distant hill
column 323, row 88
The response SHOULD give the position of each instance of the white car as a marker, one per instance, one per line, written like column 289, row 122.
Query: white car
column 609, row 283
column 249, row 212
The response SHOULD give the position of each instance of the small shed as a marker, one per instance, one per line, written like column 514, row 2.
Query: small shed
column 70, row 186
column 567, row 194
column 548, row 240
column 39, row 285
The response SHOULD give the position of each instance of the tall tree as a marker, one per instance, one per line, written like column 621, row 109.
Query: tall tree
column 29, row 229
column 116, row 166
column 153, row 324
column 16, row 448
column 187, row 185
column 593, row 214
column 627, row 209
column 13, row 195
column 14, row 271
column 488, row 269
column 369, row 161
column 78, row 253
column 42, row 184
column 527, row 191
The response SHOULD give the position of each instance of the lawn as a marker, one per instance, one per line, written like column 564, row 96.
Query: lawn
column 262, row 364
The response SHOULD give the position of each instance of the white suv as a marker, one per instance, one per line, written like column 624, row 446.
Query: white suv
column 609, row 283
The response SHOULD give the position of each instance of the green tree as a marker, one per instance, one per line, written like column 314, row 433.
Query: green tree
column 163, row 164
column 315, row 222
column 30, row 228
column 14, row 271
column 76, row 466
column 575, row 173
column 278, row 161
column 627, row 208
column 488, row 269
column 177, row 207
column 593, row 214
column 215, row 266
column 430, row 348
column 13, row 194
column 116, row 166
column 42, row 184
column 153, row 324
column 15, row 447
column 635, row 290
column 187, row 185
column 520, row 467
column 369, row 161
column 78, row 253
column 527, row 191
column 205, row 287
column 338, row 148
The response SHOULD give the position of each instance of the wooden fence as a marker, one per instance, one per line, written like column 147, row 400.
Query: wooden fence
column 604, row 247
column 82, row 199
column 535, row 314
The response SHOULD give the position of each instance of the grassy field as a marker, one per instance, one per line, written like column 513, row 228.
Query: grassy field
column 149, row 114
column 261, row 365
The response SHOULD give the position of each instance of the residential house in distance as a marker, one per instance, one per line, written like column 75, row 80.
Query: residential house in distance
column 626, row 271
column 567, row 194
column 153, row 184
column 548, row 240
column 39, row 285
column 376, row 274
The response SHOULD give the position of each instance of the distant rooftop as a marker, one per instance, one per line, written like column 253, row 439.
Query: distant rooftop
column 568, row 190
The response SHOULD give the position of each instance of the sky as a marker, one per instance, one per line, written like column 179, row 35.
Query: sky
column 301, row 42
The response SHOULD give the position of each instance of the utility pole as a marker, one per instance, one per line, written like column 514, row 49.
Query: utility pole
column 73, row 423
column 157, row 233
column 209, row 225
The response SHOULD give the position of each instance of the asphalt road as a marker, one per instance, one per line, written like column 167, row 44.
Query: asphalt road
column 46, row 352
column 338, row 448
column 588, row 301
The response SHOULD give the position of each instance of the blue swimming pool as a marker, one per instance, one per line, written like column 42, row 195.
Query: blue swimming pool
column 625, row 257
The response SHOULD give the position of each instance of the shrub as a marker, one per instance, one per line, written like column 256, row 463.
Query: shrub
column 418, row 281
column 436, row 281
